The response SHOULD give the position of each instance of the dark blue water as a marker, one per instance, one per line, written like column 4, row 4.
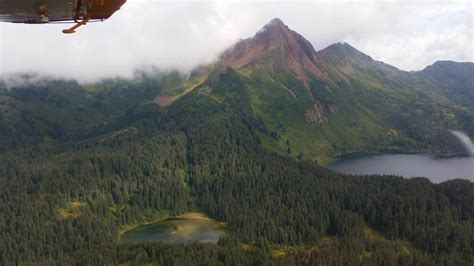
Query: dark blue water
column 409, row 165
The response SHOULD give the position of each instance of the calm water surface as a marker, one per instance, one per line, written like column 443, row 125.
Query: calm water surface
column 177, row 230
column 409, row 165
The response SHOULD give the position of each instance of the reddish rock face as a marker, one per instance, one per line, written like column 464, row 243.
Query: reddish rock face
column 285, row 48
column 277, row 47
column 316, row 115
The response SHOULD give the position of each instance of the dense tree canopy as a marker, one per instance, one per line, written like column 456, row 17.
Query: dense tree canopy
column 72, row 177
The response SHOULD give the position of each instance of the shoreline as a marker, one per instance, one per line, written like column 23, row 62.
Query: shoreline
column 188, row 215
column 352, row 155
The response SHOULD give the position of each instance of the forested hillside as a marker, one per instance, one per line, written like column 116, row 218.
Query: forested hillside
column 81, row 162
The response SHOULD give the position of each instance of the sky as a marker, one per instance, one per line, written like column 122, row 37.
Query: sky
column 182, row 34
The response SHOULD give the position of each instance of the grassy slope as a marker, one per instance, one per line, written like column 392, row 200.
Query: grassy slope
column 373, row 113
column 376, row 109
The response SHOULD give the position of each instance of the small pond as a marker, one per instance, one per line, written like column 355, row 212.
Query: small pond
column 188, row 228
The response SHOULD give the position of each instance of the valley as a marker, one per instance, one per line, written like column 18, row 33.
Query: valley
column 111, row 172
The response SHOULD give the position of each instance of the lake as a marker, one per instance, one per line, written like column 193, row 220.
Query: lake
column 437, row 169
column 188, row 228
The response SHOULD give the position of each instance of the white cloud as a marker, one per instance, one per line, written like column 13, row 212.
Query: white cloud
column 181, row 34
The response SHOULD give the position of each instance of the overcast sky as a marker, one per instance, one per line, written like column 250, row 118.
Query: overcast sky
column 182, row 34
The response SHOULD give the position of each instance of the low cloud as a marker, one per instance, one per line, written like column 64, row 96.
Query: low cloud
column 183, row 34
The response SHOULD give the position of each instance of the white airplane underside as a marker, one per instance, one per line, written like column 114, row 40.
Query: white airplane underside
column 73, row 11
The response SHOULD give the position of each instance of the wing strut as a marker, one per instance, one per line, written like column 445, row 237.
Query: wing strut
column 78, row 14
column 75, row 27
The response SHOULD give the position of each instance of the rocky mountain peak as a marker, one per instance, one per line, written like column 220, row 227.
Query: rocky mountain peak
column 275, row 44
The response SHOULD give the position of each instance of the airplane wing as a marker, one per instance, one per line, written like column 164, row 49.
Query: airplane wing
column 25, row 11
column 19, row 11
column 106, row 10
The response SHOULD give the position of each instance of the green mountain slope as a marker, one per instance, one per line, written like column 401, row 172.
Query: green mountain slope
column 453, row 80
column 335, row 101
column 311, row 104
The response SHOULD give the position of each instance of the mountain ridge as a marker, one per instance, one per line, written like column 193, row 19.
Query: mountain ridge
column 333, row 101
column 344, row 102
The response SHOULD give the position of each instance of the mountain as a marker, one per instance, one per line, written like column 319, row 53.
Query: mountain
column 319, row 104
column 311, row 104
column 236, row 140
column 277, row 46
column 453, row 80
